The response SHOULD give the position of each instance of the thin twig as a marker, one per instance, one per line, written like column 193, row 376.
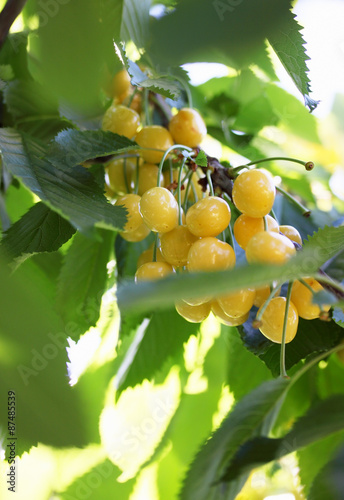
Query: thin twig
column 8, row 15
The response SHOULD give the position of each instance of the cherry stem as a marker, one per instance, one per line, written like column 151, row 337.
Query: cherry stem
column 306, row 285
column 132, row 97
column 273, row 214
column 231, row 237
column 291, row 198
column 179, row 191
column 326, row 280
column 187, row 190
column 146, row 106
column 167, row 152
column 266, row 227
column 210, row 182
column 155, row 247
column 127, row 187
column 137, row 172
column 266, row 303
column 283, row 372
column 274, row 158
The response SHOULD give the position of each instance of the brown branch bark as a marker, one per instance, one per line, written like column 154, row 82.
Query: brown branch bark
column 8, row 15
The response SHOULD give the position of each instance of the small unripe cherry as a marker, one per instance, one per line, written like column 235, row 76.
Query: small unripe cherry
column 187, row 127
column 270, row 248
column 119, row 174
column 148, row 177
column 208, row 216
column 159, row 209
column 273, row 319
column 302, row 297
column 237, row 304
column 210, row 254
column 193, row 314
column 120, row 85
column 134, row 218
column 245, row 227
column 138, row 234
column 153, row 137
column 254, row 192
column 175, row 245
column 121, row 120
column 292, row 233
column 224, row 318
column 153, row 271
column 147, row 256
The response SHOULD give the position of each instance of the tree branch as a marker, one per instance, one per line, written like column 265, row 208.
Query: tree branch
column 8, row 15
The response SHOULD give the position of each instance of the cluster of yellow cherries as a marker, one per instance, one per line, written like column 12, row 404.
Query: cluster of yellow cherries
column 190, row 242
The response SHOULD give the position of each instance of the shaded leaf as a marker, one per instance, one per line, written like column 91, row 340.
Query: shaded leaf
column 288, row 44
column 39, row 230
column 83, row 280
column 323, row 419
column 135, row 22
column 241, row 381
column 255, row 115
column 33, row 364
column 163, row 340
column 161, row 84
column 329, row 483
column 73, row 194
column 99, row 482
column 87, row 47
column 233, row 36
column 242, row 423
column 293, row 114
column 72, row 147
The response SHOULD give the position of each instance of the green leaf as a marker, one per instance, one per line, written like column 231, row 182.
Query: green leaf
column 34, row 110
column 242, row 423
column 292, row 113
column 255, row 115
column 314, row 457
column 319, row 248
column 99, row 482
column 192, row 422
column 6, row 72
column 288, row 44
column 83, row 280
column 329, row 482
column 241, row 381
column 73, row 194
column 201, row 159
column 135, row 22
column 72, row 147
column 14, row 53
column 73, row 69
column 165, row 85
column 163, row 340
column 33, row 363
column 39, row 230
column 233, row 36
column 127, row 254
column 29, row 99
column 322, row 420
